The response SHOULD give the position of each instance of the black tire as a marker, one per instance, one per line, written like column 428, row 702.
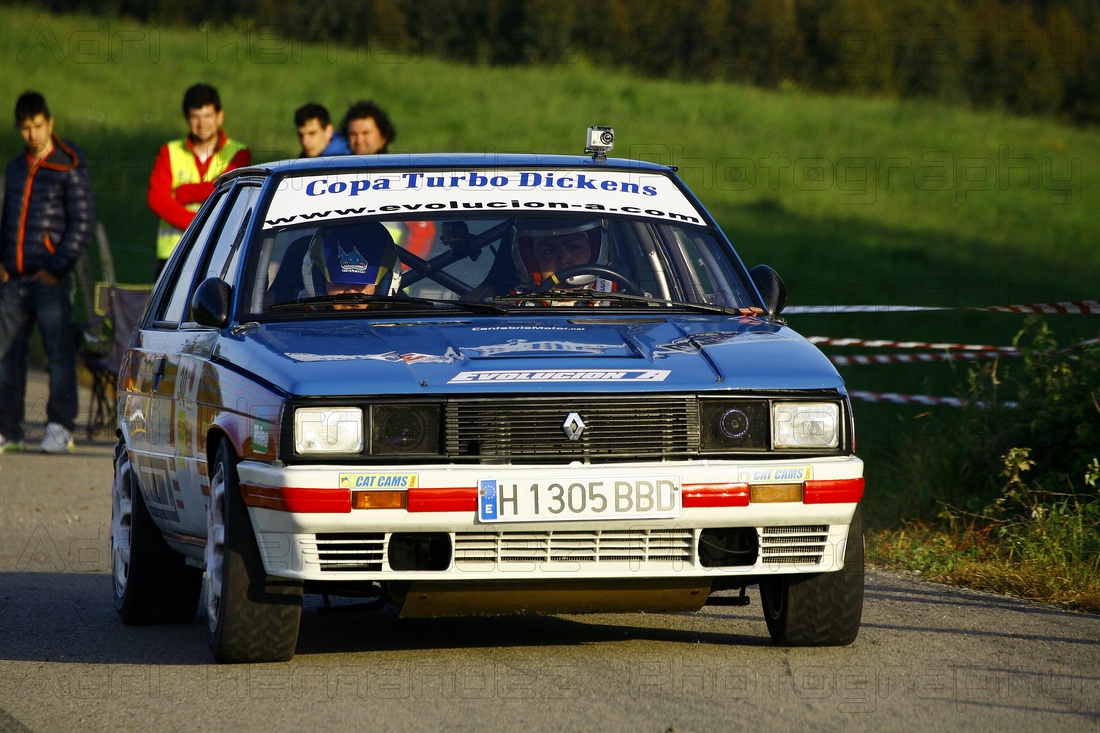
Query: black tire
column 818, row 610
column 252, row 616
column 152, row 582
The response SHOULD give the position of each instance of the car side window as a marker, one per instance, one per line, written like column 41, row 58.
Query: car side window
column 175, row 306
column 225, row 255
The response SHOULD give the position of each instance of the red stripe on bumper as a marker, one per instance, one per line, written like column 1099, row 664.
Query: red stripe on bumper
column 443, row 500
column 707, row 495
column 843, row 491
column 302, row 501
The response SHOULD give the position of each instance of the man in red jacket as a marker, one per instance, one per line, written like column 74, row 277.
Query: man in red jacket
column 184, row 172
column 47, row 222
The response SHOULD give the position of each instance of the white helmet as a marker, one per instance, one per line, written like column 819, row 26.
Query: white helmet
column 529, row 231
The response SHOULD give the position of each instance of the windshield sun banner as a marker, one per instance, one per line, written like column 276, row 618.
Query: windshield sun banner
column 400, row 193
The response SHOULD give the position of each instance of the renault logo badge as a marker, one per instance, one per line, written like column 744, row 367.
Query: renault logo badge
column 573, row 426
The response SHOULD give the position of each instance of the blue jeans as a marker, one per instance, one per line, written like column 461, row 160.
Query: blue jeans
column 24, row 302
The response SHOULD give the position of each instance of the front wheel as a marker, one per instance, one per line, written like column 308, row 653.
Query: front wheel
column 818, row 610
column 152, row 582
column 252, row 616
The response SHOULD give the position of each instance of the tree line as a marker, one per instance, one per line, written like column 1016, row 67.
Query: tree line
column 1030, row 57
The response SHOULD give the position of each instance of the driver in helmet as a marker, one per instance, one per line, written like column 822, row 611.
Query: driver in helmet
column 545, row 247
column 351, row 258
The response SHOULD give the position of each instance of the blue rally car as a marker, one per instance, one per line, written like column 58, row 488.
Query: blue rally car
column 475, row 385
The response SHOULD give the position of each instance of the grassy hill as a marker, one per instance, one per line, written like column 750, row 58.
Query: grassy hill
column 853, row 200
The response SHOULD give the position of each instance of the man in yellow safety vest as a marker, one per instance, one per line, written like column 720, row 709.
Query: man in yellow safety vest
column 184, row 172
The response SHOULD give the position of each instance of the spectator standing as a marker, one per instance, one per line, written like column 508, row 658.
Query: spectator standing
column 368, row 129
column 185, row 170
column 316, row 134
column 47, row 222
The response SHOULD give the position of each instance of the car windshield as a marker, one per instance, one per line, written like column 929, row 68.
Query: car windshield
column 486, row 264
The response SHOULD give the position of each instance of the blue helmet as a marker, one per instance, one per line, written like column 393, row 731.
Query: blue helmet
column 355, row 254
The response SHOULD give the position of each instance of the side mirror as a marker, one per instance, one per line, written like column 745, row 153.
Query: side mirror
column 210, row 303
column 771, row 288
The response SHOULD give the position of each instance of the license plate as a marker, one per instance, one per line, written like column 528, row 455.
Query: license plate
column 554, row 500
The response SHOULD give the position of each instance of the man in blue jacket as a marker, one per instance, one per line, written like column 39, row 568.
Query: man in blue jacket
column 47, row 222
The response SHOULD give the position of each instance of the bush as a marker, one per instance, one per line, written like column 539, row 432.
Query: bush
column 1045, row 407
column 1023, row 511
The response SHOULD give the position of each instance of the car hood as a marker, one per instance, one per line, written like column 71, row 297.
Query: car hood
column 533, row 354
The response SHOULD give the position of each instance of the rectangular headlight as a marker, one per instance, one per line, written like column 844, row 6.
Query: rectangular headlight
column 806, row 425
column 328, row 430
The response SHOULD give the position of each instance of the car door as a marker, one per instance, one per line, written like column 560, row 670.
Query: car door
column 172, row 361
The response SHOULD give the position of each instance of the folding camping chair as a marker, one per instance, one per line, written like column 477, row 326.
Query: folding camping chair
column 118, row 310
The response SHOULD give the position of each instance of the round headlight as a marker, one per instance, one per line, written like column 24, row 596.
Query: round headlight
column 735, row 423
column 404, row 429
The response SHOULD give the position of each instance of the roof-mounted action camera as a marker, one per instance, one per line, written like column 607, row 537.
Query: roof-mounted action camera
column 600, row 141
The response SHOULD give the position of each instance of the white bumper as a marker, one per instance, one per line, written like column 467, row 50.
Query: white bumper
column 354, row 545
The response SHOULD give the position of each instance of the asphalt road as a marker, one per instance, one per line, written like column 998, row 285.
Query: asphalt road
column 929, row 657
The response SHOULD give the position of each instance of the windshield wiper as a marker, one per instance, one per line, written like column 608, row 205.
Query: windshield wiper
column 475, row 306
column 387, row 302
column 340, row 299
column 587, row 296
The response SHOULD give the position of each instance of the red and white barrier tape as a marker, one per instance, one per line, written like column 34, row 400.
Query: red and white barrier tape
column 1072, row 307
column 885, row 344
column 916, row 399
column 953, row 351
column 857, row 359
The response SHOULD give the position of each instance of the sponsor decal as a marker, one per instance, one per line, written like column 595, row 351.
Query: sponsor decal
column 776, row 474
column 523, row 346
column 297, row 356
column 333, row 196
column 379, row 480
column 694, row 342
column 527, row 328
column 448, row 357
column 561, row 375
column 261, row 436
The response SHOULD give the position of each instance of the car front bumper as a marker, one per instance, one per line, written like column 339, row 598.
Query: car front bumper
column 306, row 528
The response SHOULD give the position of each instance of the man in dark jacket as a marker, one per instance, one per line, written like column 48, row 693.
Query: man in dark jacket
column 47, row 222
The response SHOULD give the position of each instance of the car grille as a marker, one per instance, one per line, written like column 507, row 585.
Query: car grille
column 476, row 549
column 799, row 545
column 615, row 428
column 350, row 552
column 344, row 552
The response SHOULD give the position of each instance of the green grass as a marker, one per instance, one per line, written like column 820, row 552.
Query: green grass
column 891, row 235
column 970, row 554
column 854, row 200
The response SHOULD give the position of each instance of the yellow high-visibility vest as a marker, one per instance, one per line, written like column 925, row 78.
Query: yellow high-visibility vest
column 186, row 170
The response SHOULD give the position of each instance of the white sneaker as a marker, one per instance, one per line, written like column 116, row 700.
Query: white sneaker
column 11, row 446
column 58, row 440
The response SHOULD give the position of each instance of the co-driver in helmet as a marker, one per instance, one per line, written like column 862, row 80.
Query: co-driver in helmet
column 351, row 258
